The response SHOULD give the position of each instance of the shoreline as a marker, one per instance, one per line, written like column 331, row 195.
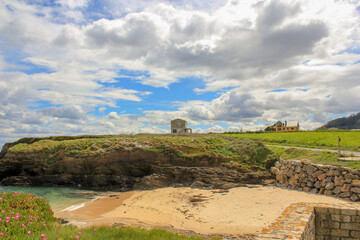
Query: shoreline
column 237, row 211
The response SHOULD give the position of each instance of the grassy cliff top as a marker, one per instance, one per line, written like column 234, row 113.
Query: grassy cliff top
column 226, row 149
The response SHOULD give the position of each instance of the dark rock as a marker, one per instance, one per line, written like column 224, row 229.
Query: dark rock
column 63, row 220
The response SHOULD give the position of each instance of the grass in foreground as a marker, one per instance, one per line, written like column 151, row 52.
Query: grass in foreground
column 321, row 157
column 350, row 140
column 26, row 216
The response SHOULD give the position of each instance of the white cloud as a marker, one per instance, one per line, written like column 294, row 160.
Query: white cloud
column 102, row 109
column 73, row 3
column 253, row 47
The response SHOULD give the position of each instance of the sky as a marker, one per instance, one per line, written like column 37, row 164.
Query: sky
column 71, row 67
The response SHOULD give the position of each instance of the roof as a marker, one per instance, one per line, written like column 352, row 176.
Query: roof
column 292, row 124
column 178, row 119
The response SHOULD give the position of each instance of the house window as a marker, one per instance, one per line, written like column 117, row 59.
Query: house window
column 174, row 130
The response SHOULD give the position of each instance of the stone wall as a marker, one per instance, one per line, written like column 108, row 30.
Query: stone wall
column 337, row 223
column 305, row 176
column 315, row 221
column 297, row 222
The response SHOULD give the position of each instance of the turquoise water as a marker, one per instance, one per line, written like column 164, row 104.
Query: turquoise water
column 59, row 197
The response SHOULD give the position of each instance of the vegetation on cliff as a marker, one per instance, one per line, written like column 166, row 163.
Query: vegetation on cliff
column 217, row 148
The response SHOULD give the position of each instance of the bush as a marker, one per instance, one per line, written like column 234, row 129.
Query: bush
column 23, row 214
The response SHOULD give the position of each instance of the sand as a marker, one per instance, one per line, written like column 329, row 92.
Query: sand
column 239, row 211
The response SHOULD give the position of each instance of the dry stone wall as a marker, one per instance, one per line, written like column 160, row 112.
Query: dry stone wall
column 330, row 180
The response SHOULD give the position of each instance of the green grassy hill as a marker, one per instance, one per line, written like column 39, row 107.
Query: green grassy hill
column 350, row 122
column 211, row 148
column 350, row 140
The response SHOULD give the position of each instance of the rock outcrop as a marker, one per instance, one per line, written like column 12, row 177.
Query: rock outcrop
column 120, row 169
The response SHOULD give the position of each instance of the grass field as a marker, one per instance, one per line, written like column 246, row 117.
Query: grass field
column 350, row 140
column 321, row 157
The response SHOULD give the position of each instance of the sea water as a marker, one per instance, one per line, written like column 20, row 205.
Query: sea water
column 59, row 197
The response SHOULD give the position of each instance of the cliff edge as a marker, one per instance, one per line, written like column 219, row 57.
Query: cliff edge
column 126, row 162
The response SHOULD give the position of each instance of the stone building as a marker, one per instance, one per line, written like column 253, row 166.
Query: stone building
column 180, row 126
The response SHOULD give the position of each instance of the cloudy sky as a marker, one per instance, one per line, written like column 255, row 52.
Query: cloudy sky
column 70, row 67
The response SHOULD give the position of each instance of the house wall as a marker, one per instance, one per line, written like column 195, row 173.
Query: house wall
column 179, row 125
column 283, row 127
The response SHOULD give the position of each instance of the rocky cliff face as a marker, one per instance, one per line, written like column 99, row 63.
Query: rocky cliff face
column 119, row 169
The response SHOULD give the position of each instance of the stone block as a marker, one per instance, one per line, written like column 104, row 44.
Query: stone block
column 337, row 190
column 354, row 197
column 349, row 181
column 314, row 190
column 309, row 184
column 321, row 191
column 317, row 173
column 355, row 183
column 330, row 173
column 289, row 172
column 292, row 181
column 336, row 217
column 322, row 176
column 321, row 210
column 355, row 234
column 350, row 226
column 337, row 180
column 328, row 179
column 328, row 192
column 306, row 189
column 317, row 184
column 335, row 211
column 345, row 195
column 346, row 188
column 351, row 212
column 329, row 186
column 355, row 189
column 311, row 178
column 323, row 231
column 340, row 232
column 323, row 183
column 349, row 176
column 355, row 219
column 309, row 169
column 322, row 217
column 345, row 218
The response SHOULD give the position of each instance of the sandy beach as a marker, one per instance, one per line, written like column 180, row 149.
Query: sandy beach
column 238, row 211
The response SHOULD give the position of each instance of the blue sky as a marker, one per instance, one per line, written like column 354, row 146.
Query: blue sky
column 70, row 67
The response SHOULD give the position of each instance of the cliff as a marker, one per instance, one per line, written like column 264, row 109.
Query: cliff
column 134, row 162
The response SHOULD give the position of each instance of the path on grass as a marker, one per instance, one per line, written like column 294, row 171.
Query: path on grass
column 318, row 149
